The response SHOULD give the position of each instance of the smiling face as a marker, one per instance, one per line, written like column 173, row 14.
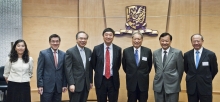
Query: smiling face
column 108, row 38
column 197, row 42
column 165, row 42
column 54, row 43
column 81, row 40
column 137, row 40
column 20, row 48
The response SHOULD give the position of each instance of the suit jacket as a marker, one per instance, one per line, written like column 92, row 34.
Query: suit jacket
column 47, row 74
column 202, row 76
column 169, row 75
column 137, row 75
column 76, row 74
column 98, row 64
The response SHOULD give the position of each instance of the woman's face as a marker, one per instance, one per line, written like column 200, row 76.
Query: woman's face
column 20, row 48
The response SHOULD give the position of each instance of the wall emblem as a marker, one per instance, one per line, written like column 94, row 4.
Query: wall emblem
column 136, row 21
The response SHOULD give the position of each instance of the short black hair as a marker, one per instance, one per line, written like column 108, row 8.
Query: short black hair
column 81, row 32
column 108, row 30
column 199, row 35
column 54, row 36
column 165, row 34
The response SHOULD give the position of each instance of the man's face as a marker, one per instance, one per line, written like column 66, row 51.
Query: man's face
column 108, row 38
column 197, row 42
column 137, row 41
column 81, row 40
column 165, row 42
column 54, row 43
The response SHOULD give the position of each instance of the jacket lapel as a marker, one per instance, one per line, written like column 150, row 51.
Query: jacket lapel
column 50, row 53
column 170, row 55
column 77, row 54
column 192, row 58
column 202, row 57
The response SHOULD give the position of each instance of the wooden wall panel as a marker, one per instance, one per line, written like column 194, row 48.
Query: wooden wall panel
column 41, row 18
column 210, row 28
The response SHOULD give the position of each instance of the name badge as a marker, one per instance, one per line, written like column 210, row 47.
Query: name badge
column 144, row 58
column 89, row 58
column 205, row 63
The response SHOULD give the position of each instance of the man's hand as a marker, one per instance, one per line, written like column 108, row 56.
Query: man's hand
column 91, row 85
column 72, row 88
column 64, row 89
column 40, row 90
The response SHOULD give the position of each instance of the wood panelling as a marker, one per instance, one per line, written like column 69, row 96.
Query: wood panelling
column 210, row 28
column 41, row 18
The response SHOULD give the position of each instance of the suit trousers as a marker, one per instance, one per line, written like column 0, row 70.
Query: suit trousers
column 196, row 97
column 51, row 96
column 107, row 89
column 164, row 97
column 133, row 96
column 79, row 96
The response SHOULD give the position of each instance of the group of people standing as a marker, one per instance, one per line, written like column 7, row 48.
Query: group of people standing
column 58, row 71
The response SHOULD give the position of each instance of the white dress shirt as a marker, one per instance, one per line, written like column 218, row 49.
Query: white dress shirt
column 139, row 53
column 111, row 58
column 200, row 53
column 166, row 53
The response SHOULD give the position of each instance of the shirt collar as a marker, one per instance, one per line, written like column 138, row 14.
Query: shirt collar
column 137, row 49
column 53, row 50
column 166, row 50
column 79, row 48
column 200, row 50
column 110, row 47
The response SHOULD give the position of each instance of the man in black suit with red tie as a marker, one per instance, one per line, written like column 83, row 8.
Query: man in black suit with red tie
column 201, row 67
column 106, row 62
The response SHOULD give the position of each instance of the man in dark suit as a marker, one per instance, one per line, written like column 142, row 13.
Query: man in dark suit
column 168, row 64
column 106, row 62
column 51, row 80
column 201, row 67
column 78, row 69
column 137, row 64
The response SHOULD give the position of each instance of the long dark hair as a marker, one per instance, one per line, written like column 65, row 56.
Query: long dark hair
column 14, row 55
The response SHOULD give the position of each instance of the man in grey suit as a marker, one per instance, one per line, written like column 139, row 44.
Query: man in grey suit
column 78, row 70
column 168, row 64
column 201, row 67
column 106, row 62
column 51, row 80
column 137, row 64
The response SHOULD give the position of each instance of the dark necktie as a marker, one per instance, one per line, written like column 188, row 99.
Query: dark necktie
column 136, row 57
column 55, row 58
column 164, row 57
column 107, row 63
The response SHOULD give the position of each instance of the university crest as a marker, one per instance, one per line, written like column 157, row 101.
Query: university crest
column 136, row 21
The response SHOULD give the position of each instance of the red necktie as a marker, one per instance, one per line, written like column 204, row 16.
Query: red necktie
column 107, row 63
column 55, row 58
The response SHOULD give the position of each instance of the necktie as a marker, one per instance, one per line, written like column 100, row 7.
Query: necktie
column 136, row 57
column 83, row 56
column 55, row 58
column 107, row 63
column 164, row 57
column 197, row 59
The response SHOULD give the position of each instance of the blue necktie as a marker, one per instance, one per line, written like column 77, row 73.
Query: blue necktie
column 136, row 57
column 197, row 59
